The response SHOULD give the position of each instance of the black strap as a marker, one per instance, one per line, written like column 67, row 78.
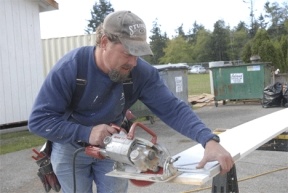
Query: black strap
column 81, row 82
column 128, row 91
column 81, row 79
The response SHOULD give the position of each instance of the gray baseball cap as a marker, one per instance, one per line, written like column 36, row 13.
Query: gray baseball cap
column 131, row 31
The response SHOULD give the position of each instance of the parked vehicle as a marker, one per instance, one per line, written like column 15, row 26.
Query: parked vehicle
column 197, row 69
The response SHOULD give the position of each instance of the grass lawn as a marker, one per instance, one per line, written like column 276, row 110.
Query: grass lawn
column 10, row 142
column 198, row 84
column 15, row 141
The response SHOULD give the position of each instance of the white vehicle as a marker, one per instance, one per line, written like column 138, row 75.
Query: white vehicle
column 197, row 69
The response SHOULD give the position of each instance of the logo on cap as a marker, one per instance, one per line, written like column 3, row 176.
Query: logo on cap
column 137, row 28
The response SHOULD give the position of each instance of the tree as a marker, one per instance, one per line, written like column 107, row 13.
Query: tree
column 192, row 33
column 177, row 51
column 158, row 43
column 201, row 46
column 269, row 53
column 219, row 42
column 260, row 37
column 283, row 43
column 277, row 15
column 246, row 52
column 98, row 13
column 180, row 31
column 241, row 26
column 262, row 45
column 239, row 36
column 284, row 46
column 253, row 26
column 271, row 39
column 262, row 22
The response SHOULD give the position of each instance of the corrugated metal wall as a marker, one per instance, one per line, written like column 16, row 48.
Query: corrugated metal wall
column 55, row 48
column 21, row 68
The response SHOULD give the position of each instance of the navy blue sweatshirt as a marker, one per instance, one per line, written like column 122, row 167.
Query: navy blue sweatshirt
column 103, row 101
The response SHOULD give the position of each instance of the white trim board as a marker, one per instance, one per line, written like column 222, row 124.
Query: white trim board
column 239, row 141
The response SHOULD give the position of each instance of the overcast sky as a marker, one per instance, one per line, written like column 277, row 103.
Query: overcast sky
column 71, row 18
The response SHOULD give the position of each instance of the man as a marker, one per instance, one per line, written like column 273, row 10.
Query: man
column 119, row 43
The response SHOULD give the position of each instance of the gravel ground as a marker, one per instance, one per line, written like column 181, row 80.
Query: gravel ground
column 18, row 170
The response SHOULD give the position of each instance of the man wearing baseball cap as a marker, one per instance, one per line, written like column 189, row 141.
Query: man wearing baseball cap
column 66, row 115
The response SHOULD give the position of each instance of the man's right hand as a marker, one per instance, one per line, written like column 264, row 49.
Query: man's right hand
column 99, row 132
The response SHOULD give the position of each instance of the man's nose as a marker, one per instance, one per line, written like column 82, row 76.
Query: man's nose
column 133, row 60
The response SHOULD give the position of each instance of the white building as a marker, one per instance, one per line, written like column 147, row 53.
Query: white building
column 21, row 63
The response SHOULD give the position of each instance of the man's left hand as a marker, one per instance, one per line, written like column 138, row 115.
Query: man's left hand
column 215, row 152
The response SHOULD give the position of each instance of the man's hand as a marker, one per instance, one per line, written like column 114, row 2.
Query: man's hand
column 99, row 132
column 215, row 152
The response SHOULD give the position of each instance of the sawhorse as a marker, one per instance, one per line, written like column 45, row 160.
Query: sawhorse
column 226, row 183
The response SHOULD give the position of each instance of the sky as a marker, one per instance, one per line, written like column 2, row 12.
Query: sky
column 71, row 17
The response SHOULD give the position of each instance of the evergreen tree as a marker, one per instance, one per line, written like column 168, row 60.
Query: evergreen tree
column 283, row 42
column 262, row 22
column 219, row 42
column 180, row 31
column 192, row 33
column 277, row 15
column 241, row 26
column 246, row 52
column 98, row 13
column 239, row 36
column 253, row 25
column 268, row 50
column 158, row 43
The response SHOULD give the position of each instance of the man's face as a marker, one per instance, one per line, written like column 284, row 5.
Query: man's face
column 117, row 62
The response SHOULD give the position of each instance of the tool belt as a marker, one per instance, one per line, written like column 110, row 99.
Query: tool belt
column 45, row 171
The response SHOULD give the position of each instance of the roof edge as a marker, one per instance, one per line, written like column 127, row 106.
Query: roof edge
column 47, row 5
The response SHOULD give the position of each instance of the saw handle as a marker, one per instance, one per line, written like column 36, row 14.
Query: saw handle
column 119, row 129
column 131, row 133
column 95, row 151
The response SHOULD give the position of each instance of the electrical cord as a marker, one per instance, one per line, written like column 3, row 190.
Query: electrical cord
column 74, row 166
column 243, row 179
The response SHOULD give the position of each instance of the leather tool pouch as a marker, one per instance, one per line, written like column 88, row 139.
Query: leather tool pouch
column 45, row 171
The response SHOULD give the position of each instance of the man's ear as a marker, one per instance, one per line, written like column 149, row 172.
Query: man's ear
column 104, row 42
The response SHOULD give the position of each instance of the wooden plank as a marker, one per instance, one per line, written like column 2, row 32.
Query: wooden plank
column 199, row 105
column 239, row 141
column 200, row 98
column 194, row 98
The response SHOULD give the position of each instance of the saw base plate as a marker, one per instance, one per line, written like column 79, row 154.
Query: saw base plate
column 142, row 176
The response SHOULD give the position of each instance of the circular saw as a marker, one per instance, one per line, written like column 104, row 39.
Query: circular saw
column 140, row 160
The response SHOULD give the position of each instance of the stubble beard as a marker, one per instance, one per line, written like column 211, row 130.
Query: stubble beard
column 116, row 76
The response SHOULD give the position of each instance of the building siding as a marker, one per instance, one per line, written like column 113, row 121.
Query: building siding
column 21, row 72
column 55, row 48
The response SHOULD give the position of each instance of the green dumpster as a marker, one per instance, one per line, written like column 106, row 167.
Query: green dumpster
column 240, row 82
column 175, row 78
